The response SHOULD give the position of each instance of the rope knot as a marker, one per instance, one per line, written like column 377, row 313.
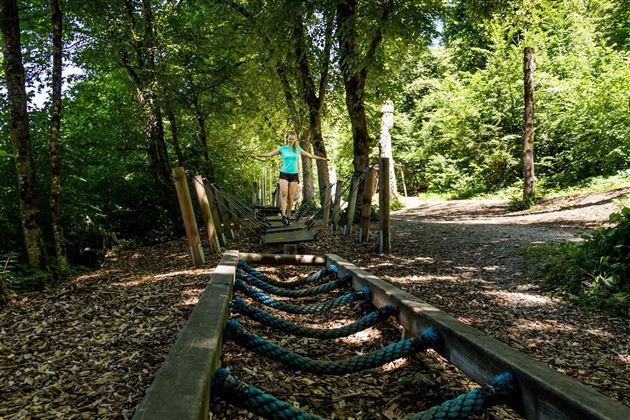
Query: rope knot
column 388, row 310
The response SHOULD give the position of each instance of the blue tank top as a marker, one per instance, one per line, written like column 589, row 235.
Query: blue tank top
column 289, row 159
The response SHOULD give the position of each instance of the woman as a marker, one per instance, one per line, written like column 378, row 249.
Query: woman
column 289, row 179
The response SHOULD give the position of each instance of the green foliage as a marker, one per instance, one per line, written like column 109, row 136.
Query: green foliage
column 463, row 130
column 520, row 203
column 595, row 273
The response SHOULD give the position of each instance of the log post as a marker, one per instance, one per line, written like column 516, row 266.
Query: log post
column 334, row 217
column 254, row 193
column 529, row 65
column 366, row 206
column 326, row 210
column 206, row 214
column 402, row 178
column 190, row 224
column 383, row 206
column 352, row 202
column 385, row 143
column 218, row 223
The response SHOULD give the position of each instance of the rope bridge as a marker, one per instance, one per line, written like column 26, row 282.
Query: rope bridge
column 258, row 402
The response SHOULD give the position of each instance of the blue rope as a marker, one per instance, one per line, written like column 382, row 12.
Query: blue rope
column 233, row 331
column 253, row 399
column 472, row 402
column 301, row 309
column 278, row 291
column 240, row 306
column 330, row 271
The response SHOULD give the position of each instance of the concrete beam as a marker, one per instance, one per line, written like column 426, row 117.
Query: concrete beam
column 282, row 259
column 543, row 393
column 181, row 388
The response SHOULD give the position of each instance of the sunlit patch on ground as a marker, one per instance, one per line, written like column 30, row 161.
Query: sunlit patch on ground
column 519, row 299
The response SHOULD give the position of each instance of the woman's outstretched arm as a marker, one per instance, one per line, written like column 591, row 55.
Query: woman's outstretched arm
column 268, row 154
column 307, row 154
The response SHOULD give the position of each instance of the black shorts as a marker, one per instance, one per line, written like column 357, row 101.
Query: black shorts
column 290, row 177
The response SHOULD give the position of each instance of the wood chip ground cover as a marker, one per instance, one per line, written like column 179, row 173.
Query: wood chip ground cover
column 90, row 348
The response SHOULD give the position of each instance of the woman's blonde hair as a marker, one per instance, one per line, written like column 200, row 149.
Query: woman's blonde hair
column 286, row 139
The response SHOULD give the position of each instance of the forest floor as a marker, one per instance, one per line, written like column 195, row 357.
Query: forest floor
column 90, row 348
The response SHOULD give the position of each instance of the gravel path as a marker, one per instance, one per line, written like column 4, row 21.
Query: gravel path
column 465, row 258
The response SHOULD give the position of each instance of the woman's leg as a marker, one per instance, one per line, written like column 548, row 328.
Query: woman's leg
column 284, row 194
column 292, row 188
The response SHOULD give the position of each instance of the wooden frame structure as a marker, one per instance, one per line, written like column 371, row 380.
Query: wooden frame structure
column 181, row 388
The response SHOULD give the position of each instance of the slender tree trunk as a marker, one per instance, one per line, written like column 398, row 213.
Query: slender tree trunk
column 314, row 101
column 354, row 81
column 529, row 65
column 308, row 191
column 308, row 188
column 30, row 216
column 203, row 138
column 55, row 136
column 172, row 120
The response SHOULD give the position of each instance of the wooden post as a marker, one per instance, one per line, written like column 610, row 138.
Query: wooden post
column 352, row 202
column 206, row 214
column 190, row 224
column 223, row 213
column 326, row 209
column 402, row 178
column 383, row 205
column 366, row 206
column 218, row 223
column 334, row 217
column 289, row 249
column 385, row 143
column 264, row 187
column 529, row 65
column 254, row 193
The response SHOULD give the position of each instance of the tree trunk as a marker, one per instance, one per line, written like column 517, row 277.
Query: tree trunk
column 30, row 216
column 529, row 66
column 354, row 82
column 55, row 136
column 308, row 191
column 313, row 101
column 170, row 116
column 308, row 188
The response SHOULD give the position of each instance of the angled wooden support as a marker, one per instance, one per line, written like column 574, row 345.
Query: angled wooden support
column 352, row 203
column 206, row 213
column 336, row 208
column 181, row 388
column 542, row 393
column 216, row 217
column 188, row 215
column 366, row 207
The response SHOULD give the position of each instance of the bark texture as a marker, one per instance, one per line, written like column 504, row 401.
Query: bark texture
column 30, row 216
column 55, row 136
column 529, row 66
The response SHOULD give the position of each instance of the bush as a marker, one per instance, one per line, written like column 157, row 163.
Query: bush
column 594, row 273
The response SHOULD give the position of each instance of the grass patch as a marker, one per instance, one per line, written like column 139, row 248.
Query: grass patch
column 594, row 273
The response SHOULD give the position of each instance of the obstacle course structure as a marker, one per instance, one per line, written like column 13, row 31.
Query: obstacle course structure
column 182, row 387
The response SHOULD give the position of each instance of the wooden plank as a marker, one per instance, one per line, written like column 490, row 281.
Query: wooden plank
column 280, row 259
column 544, row 393
column 287, row 228
column 292, row 237
column 181, row 388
